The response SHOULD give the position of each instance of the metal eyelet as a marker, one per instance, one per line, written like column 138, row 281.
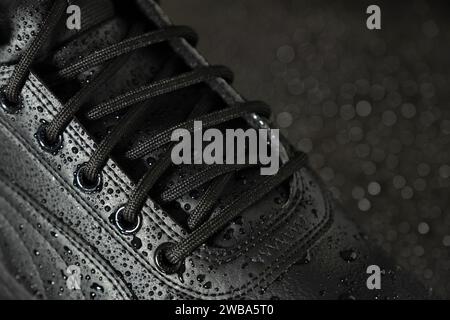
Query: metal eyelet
column 87, row 186
column 48, row 146
column 9, row 106
column 124, row 226
column 161, row 261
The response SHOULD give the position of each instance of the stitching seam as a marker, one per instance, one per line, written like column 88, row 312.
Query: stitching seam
column 63, row 229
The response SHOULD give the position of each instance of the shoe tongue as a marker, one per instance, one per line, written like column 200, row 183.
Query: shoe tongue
column 99, row 27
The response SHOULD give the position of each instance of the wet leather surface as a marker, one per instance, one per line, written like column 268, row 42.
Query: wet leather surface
column 260, row 264
column 49, row 178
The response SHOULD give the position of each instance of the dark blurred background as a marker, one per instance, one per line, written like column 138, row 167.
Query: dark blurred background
column 371, row 108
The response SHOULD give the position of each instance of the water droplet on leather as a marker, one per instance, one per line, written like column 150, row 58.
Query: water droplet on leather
column 97, row 287
column 305, row 259
column 136, row 243
column 150, row 161
column 347, row 296
column 201, row 278
column 278, row 200
column 67, row 249
column 180, row 274
column 349, row 255
column 194, row 194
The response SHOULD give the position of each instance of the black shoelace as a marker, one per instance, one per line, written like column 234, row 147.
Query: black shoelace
column 128, row 217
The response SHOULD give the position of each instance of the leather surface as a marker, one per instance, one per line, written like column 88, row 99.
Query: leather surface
column 37, row 191
column 49, row 179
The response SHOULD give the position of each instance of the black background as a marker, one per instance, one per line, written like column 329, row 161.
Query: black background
column 371, row 108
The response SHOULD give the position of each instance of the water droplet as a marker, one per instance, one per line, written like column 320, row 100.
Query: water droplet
column 67, row 249
column 97, row 287
column 349, row 255
column 201, row 278
column 346, row 296
column 207, row 285
column 305, row 259
column 136, row 243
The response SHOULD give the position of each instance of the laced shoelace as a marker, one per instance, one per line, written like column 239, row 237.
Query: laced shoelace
column 201, row 225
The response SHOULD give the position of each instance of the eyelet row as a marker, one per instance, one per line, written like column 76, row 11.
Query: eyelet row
column 160, row 259
column 81, row 182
